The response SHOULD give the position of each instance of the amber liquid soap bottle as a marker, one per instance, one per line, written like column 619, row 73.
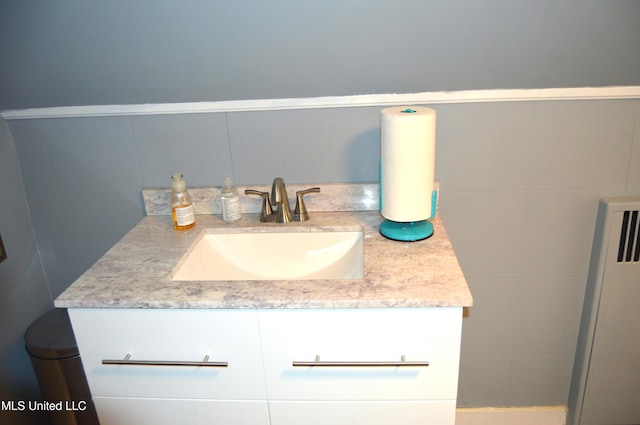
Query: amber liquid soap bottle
column 181, row 205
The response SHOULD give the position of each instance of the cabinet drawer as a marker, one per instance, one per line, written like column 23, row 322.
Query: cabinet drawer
column 137, row 411
column 355, row 336
column 441, row 412
column 159, row 336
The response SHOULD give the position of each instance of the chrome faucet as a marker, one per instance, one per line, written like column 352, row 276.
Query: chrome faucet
column 280, row 200
column 276, row 208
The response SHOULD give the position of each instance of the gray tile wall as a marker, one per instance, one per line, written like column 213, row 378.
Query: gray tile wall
column 519, row 187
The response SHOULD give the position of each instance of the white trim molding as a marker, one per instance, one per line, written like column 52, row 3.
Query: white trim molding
column 430, row 98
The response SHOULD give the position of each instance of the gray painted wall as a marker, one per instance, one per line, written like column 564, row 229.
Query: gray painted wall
column 24, row 294
column 520, row 183
column 66, row 52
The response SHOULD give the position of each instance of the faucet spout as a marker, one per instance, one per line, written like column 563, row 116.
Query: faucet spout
column 280, row 200
column 276, row 208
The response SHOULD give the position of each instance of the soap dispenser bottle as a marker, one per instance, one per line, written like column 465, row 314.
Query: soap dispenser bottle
column 230, row 201
column 181, row 205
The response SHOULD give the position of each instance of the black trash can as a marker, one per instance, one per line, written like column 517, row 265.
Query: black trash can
column 57, row 365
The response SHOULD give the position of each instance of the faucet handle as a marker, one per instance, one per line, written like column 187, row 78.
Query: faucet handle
column 301, row 209
column 266, row 204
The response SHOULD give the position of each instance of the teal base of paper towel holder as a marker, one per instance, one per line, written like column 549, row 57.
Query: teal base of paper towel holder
column 407, row 232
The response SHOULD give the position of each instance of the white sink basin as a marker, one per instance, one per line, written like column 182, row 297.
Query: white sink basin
column 277, row 255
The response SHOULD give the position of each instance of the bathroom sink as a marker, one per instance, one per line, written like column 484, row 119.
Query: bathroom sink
column 273, row 255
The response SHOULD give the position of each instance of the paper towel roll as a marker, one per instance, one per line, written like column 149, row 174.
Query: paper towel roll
column 407, row 162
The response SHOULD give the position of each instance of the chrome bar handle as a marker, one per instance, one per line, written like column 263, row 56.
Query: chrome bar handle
column 402, row 363
column 300, row 211
column 128, row 362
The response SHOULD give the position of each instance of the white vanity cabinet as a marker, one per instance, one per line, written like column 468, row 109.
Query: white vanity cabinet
column 361, row 366
column 230, row 391
column 280, row 367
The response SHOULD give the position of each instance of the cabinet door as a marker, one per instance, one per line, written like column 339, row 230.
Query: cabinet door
column 167, row 336
column 441, row 412
column 361, row 335
column 138, row 411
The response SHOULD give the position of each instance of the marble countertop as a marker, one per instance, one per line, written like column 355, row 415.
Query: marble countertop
column 137, row 271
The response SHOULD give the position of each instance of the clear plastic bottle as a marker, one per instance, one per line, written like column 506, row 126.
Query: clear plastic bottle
column 230, row 200
column 181, row 205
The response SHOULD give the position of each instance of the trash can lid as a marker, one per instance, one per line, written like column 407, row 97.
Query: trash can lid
column 50, row 336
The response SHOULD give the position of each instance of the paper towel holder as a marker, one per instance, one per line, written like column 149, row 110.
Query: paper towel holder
column 407, row 150
column 410, row 231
